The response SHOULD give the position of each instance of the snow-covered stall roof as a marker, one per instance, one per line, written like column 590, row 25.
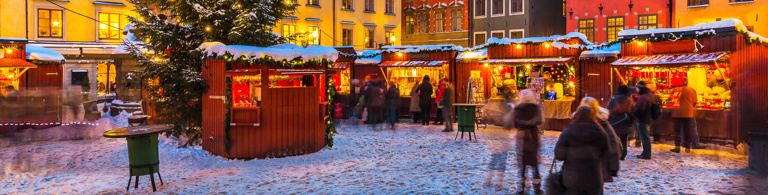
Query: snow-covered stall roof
column 702, row 28
column 521, row 61
column 414, row 63
column 365, row 60
column 278, row 52
column 554, row 39
column 479, row 54
column 421, row 48
column 669, row 59
column 35, row 52
column 128, row 39
column 602, row 53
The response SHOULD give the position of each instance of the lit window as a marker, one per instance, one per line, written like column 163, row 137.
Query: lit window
column 388, row 38
column 615, row 24
column 288, row 31
column 313, row 2
column 698, row 2
column 369, row 43
column 587, row 27
column 49, row 23
column 410, row 24
column 347, row 4
column 424, row 22
column 314, row 33
column 346, row 37
column 646, row 22
column 440, row 21
column 109, row 26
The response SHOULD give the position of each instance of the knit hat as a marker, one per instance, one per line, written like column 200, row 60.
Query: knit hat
column 641, row 84
column 623, row 89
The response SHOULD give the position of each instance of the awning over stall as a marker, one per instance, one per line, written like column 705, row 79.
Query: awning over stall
column 299, row 71
column 523, row 61
column 341, row 65
column 414, row 63
column 15, row 63
column 669, row 59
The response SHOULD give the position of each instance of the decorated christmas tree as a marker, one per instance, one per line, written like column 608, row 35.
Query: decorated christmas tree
column 167, row 34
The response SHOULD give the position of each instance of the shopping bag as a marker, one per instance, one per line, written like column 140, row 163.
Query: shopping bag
column 555, row 181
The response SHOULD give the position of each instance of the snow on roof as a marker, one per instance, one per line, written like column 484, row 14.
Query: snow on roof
column 668, row 59
column 602, row 53
column 457, row 3
column 128, row 39
column 35, row 52
column 376, row 59
column 437, row 5
column 424, row 7
column 520, row 61
column 554, row 39
column 479, row 54
column 278, row 52
column 409, row 8
column 421, row 48
column 12, row 39
column 699, row 29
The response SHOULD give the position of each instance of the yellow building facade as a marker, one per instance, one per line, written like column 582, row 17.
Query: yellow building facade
column 752, row 13
column 364, row 24
column 84, row 31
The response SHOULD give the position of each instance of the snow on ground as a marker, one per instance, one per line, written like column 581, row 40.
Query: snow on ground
column 411, row 160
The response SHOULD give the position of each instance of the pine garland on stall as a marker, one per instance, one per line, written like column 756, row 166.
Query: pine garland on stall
column 330, row 90
column 169, row 56
column 228, row 115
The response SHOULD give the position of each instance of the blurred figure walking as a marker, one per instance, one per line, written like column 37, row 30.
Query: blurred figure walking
column 425, row 99
column 447, row 103
column 414, row 108
column 612, row 162
column 393, row 105
column 582, row 147
column 621, row 118
column 526, row 117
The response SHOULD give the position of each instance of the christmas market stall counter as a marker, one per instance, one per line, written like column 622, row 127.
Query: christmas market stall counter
column 342, row 76
column 722, row 61
column 267, row 102
column 544, row 65
column 406, row 66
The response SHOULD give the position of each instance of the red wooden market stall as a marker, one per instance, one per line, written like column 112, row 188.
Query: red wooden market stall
column 246, row 117
column 723, row 62
column 342, row 73
column 544, row 64
column 407, row 65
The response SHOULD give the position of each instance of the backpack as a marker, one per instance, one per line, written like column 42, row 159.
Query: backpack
column 656, row 110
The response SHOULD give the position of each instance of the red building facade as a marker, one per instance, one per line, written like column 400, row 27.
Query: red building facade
column 602, row 20
column 434, row 22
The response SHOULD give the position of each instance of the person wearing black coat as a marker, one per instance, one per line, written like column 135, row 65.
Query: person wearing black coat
column 621, row 118
column 582, row 146
column 392, row 105
column 643, row 110
column 425, row 99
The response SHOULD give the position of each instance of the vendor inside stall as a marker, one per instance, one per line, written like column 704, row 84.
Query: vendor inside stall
column 709, row 82
column 411, row 73
column 551, row 81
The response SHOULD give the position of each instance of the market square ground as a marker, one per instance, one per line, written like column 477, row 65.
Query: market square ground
column 410, row 160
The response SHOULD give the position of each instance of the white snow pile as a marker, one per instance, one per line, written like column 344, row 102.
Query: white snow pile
column 35, row 52
column 421, row 48
column 602, row 53
column 278, row 52
column 376, row 59
column 479, row 54
column 554, row 39
column 128, row 39
column 129, row 103
column 698, row 29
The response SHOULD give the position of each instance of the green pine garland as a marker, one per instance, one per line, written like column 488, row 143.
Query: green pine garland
column 16, row 47
column 297, row 62
column 329, row 126
column 227, row 116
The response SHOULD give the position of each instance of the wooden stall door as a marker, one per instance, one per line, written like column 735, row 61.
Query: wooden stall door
column 42, row 76
column 213, row 106
column 596, row 81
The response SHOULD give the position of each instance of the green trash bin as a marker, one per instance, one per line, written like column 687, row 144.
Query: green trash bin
column 466, row 114
column 143, row 157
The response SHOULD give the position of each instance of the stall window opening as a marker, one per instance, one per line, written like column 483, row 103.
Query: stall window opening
column 711, row 83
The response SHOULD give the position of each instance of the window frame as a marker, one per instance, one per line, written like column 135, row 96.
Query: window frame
column 502, row 32
column 348, row 41
column 292, row 33
column 522, row 33
column 699, row 4
column 522, row 8
column 50, row 23
column 77, row 80
column 370, row 6
column 589, row 38
column 615, row 28
column 368, row 38
column 387, row 35
column 424, row 29
column 409, row 26
column 313, row 3
column 503, row 8
column 389, row 6
column 655, row 24
column 484, row 8
column 350, row 3
column 311, row 30
column 474, row 37
column 459, row 19
column 740, row 1
column 108, row 28
column 442, row 27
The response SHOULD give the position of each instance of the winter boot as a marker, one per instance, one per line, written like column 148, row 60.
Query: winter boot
column 537, row 186
column 522, row 187
column 676, row 149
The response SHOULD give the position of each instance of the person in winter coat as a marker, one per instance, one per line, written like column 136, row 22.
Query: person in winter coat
column 393, row 105
column 447, row 103
column 438, row 97
column 612, row 162
column 375, row 97
column 425, row 99
column 414, row 108
column 683, row 117
column 582, row 147
column 621, row 118
column 526, row 117
column 643, row 110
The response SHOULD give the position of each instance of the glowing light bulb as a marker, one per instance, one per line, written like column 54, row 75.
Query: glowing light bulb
column 146, row 40
column 546, row 44
column 315, row 34
column 399, row 54
column 501, row 67
column 486, row 64
column 392, row 38
column 8, row 51
column 528, row 66
column 141, row 19
column 55, row 23
column 103, row 26
column 640, row 43
column 571, row 83
column 518, row 46
column 207, row 28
